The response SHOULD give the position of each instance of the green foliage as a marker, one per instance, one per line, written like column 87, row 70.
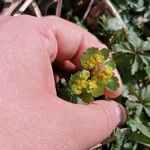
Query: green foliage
column 129, row 42
column 111, row 24
column 96, row 76
column 132, row 55
column 139, row 138
column 120, row 138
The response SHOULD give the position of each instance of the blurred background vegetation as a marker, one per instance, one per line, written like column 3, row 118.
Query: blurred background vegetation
column 124, row 26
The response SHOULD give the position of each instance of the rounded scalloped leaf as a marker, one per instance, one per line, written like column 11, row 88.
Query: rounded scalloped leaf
column 92, row 57
column 105, row 53
column 73, row 78
column 75, row 90
column 112, row 84
column 110, row 64
column 98, row 91
column 84, row 74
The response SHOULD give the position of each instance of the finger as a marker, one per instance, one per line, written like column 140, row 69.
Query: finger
column 72, row 42
column 23, row 49
column 95, row 122
column 66, row 65
column 3, row 17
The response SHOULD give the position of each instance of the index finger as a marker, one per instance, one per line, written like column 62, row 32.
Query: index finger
column 72, row 41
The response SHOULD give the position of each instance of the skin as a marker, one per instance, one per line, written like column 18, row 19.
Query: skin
column 31, row 114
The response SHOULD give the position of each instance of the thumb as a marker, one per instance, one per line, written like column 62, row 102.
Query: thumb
column 97, row 121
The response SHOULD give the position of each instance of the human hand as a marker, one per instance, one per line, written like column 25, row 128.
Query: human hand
column 32, row 116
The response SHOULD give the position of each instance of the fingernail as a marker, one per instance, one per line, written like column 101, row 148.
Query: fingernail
column 121, row 113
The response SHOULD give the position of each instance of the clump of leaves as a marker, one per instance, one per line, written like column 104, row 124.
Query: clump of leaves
column 97, row 75
column 129, row 43
column 131, row 53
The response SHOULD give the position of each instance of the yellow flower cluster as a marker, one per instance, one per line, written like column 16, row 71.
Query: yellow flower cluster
column 106, row 73
column 83, row 84
column 99, row 58
column 91, row 62
column 95, row 77
column 94, row 60
column 92, row 85
column 79, row 86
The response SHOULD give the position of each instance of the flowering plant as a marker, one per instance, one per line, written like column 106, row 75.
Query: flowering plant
column 96, row 76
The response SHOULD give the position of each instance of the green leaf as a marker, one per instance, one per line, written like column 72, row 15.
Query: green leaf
column 134, row 39
column 133, row 90
column 79, row 100
column 99, row 90
column 84, row 74
column 140, row 138
column 145, row 46
column 110, row 64
column 139, row 109
column 122, row 49
column 147, row 56
column 105, row 52
column 112, row 83
column 73, row 78
column 76, row 100
column 145, row 93
column 84, row 58
column 114, row 24
column 143, row 128
column 119, row 35
column 128, row 46
column 86, row 97
column 147, row 69
column 120, row 137
column 147, row 109
column 145, row 60
column 145, row 99
column 135, row 66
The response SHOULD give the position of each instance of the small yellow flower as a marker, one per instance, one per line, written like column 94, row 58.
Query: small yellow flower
column 106, row 74
column 92, row 84
column 81, row 84
column 109, row 71
column 75, row 89
column 99, row 58
column 91, row 62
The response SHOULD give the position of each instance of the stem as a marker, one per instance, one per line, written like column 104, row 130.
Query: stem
column 59, row 8
column 23, row 7
column 12, row 7
column 88, row 9
column 34, row 7
column 98, row 146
